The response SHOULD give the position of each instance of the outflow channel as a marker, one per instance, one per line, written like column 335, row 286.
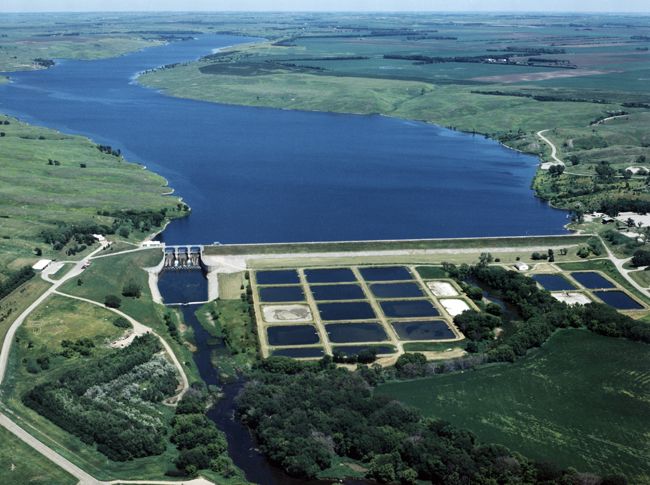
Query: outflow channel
column 180, row 287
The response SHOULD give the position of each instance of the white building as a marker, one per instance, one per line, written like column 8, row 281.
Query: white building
column 152, row 244
column 41, row 265
column 521, row 266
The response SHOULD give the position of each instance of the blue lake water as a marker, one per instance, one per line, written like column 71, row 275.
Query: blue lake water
column 281, row 294
column 355, row 349
column 358, row 310
column 618, row 299
column 334, row 275
column 396, row 290
column 183, row 286
column 423, row 330
column 299, row 353
column 292, row 335
column 265, row 175
column 553, row 282
column 337, row 292
column 592, row 281
column 409, row 309
column 345, row 333
column 285, row 277
column 389, row 273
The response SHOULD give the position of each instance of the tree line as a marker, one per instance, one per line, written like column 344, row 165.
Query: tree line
column 103, row 401
column 305, row 421
column 15, row 279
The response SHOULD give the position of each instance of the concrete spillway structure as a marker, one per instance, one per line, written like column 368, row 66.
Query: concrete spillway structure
column 182, row 257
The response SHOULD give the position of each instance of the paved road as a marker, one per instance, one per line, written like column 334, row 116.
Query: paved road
column 84, row 478
column 619, row 262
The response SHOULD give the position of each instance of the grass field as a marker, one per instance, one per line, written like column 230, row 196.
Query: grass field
column 13, row 305
column 582, row 400
column 59, row 318
column 21, row 464
column 35, row 195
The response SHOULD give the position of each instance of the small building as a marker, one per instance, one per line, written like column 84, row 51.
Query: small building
column 41, row 265
column 521, row 266
column 152, row 244
column 99, row 238
column 608, row 220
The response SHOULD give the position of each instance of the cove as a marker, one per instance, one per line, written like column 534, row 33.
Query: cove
column 254, row 175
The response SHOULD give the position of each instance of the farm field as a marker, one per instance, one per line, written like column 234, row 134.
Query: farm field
column 581, row 400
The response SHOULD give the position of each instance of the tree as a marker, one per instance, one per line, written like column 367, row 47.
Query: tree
column 551, row 256
column 485, row 259
column 38, row 251
column 494, row 309
column 124, row 231
column 122, row 322
column 112, row 301
column 132, row 289
column 536, row 256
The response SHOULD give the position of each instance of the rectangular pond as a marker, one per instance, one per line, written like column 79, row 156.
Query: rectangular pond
column 292, row 335
column 346, row 311
column 299, row 353
column 284, row 277
column 344, row 333
column 282, row 294
column 334, row 275
column 355, row 349
column 552, row 282
column 618, row 299
column 592, row 281
column 423, row 330
column 396, row 290
column 388, row 273
column 409, row 309
column 337, row 292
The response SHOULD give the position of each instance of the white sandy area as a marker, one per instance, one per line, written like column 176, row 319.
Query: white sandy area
column 454, row 307
column 636, row 169
column 286, row 313
column 442, row 288
column 624, row 216
column 571, row 298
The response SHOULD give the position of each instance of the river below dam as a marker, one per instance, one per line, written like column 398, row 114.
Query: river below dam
column 255, row 175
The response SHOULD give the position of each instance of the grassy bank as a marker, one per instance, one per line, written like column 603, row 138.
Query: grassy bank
column 581, row 400
column 49, row 178
column 349, row 246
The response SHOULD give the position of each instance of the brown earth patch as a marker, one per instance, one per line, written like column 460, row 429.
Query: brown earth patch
column 543, row 76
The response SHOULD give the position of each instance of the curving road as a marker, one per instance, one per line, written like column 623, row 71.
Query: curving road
column 84, row 478
column 546, row 165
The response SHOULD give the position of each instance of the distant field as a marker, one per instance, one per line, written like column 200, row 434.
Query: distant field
column 582, row 400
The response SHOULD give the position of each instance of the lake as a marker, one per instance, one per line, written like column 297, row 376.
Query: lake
column 255, row 175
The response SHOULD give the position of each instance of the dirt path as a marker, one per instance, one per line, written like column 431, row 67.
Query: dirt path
column 546, row 165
